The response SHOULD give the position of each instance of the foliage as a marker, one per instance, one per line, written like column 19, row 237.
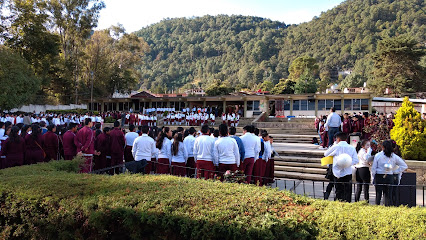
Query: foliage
column 109, row 120
column 40, row 202
column 266, row 85
column 217, row 87
column 17, row 80
column 284, row 86
column 303, row 66
column 409, row 132
column 397, row 66
column 247, row 50
column 306, row 83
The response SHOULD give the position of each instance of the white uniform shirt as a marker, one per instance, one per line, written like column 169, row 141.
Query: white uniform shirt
column 336, row 150
column 203, row 148
column 251, row 145
column 226, row 151
column 267, row 152
column 166, row 149
column 130, row 138
column 181, row 156
column 380, row 159
column 188, row 142
column 143, row 148
column 363, row 156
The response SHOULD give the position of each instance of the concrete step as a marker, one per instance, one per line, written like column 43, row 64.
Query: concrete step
column 300, row 169
column 301, row 176
column 300, row 164
column 298, row 153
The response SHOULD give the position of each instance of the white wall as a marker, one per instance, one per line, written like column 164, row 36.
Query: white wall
column 43, row 108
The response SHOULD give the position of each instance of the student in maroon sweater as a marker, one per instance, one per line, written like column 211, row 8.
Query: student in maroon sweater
column 14, row 149
column 102, row 145
column 70, row 149
column 51, row 143
column 118, row 143
column 85, row 142
column 34, row 152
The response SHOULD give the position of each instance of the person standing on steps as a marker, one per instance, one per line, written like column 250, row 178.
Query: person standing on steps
column 333, row 124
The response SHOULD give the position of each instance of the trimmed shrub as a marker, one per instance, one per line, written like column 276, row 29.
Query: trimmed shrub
column 41, row 202
column 409, row 132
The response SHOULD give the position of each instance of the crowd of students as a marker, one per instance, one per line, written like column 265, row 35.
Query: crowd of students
column 381, row 165
column 210, row 152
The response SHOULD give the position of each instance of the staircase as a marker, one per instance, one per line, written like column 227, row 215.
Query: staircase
column 300, row 164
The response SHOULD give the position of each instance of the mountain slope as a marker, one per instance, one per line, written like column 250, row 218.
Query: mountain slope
column 245, row 51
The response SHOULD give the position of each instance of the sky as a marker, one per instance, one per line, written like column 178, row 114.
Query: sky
column 136, row 14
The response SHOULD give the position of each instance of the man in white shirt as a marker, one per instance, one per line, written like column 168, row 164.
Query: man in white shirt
column 144, row 149
column 333, row 123
column 226, row 152
column 188, row 143
column 130, row 138
column 252, row 147
column 203, row 154
column 343, row 176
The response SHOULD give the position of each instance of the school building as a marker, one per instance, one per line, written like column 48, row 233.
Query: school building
column 249, row 105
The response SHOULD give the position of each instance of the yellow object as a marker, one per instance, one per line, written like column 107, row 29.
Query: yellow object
column 326, row 160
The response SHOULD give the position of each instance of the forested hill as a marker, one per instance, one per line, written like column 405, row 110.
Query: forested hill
column 245, row 51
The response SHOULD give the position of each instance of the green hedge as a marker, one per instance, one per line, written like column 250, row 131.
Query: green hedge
column 50, row 201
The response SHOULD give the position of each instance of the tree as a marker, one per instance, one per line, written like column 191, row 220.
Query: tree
column 397, row 66
column 409, row 132
column 303, row 65
column 17, row 80
column 217, row 87
column 266, row 85
column 305, row 84
column 284, row 86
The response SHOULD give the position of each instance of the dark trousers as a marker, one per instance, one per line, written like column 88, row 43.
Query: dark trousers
column 190, row 163
column 363, row 178
column 395, row 190
column 205, row 169
column 128, row 156
column 344, row 188
column 178, row 169
column 247, row 168
column 383, row 182
column 331, row 132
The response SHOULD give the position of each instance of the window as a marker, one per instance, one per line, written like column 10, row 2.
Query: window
column 356, row 104
column 328, row 104
column 249, row 105
column 303, row 105
column 253, row 105
column 364, row 104
column 311, row 104
column 286, row 105
column 338, row 104
column 321, row 105
column 296, row 105
column 348, row 104
column 256, row 105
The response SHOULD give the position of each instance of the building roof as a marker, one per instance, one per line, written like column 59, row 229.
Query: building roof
column 383, row 99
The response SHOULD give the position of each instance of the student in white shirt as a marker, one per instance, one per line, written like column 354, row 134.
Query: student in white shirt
column 165, row 151
column 252, row 147
column 203, row 154
column 333, row 124
column 130, row 138
column 179, row 156
column 188, row 142
column 343, row 175
column 143, row 148
column 385, row 164
column 226, row 152
column 363, row 175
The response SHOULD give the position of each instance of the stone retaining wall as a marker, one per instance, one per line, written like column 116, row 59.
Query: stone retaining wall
column 420, row 168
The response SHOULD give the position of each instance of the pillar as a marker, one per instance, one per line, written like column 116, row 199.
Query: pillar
column 343, row 105
column 291, row 107
column 117, row 106
column 245, row 108
column 316, row 107
column 224, row 106
column 102, row 107
column 204, row 104
column 134, row 106
column 168, row 104
column 370, row 105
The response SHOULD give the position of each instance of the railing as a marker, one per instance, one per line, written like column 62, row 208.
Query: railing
column 410, row 195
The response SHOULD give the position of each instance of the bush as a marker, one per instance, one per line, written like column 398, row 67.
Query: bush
column 409, row 132
column 41, row 202
column 109, row 120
